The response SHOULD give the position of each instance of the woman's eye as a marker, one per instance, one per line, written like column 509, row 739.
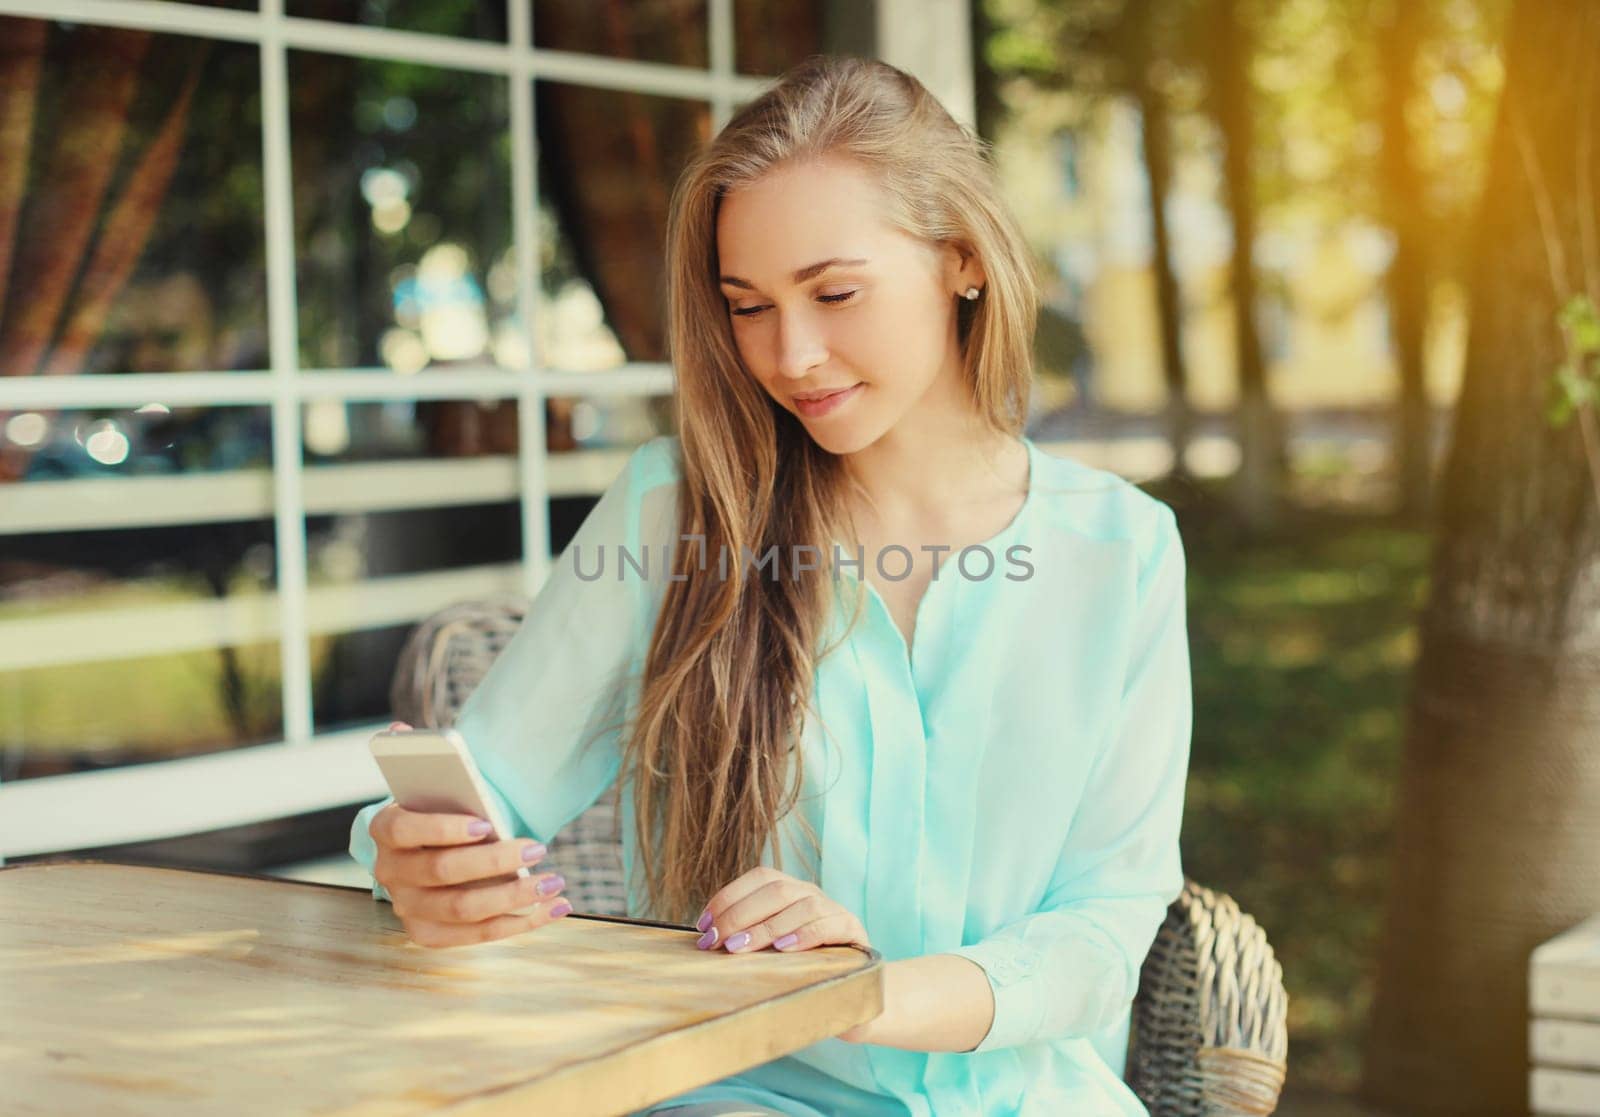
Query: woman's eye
column 751, row 311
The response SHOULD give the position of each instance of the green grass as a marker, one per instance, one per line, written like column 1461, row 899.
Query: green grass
column 1302, row 645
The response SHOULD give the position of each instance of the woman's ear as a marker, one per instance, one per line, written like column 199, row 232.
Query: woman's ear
column 963, row 269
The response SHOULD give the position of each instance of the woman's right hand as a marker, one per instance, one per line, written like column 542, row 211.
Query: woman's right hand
column 441, row 879
column 448, row 886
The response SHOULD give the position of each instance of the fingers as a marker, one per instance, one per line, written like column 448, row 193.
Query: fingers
column 456, row 907
column 765, row 907
column 436, row 935
column 713, row 919
column 741, row 935
column 439, row 868
column 398, row 828
column 837, row 928
column 415, row 850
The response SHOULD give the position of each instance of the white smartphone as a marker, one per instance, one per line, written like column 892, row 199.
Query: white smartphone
column 430, row 770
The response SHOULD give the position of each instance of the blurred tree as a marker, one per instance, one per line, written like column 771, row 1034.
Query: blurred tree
column 1141, row 47
column 1400, row 33
column 1102, row 51
column 1261, row 438
column 1499, row 799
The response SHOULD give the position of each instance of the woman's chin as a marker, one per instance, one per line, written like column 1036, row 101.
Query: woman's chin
column 838, row 438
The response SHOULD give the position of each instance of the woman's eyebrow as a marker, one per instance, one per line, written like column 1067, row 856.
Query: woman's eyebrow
column 801, row 275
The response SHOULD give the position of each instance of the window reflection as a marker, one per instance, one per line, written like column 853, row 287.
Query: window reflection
column 671, row 31
column 770, row 36
column 103, row 634
column 476, row 19
column 84, row 717
column 607, row 164
column 135, row 243
column 406, row 430
column 151, row 439
column 402, row 215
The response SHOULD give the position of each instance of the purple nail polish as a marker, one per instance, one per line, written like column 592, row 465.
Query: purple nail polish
column 708, row 940
column 551, row 885
column 534, row 852
column 563, row 908
column 704, row 922
column 739, row 941
column 787, row 941
column 479, row 829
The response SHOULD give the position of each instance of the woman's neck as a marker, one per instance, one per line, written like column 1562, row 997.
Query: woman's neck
column 928, row 476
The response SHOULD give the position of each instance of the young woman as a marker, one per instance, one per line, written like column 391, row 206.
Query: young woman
column 907, row 681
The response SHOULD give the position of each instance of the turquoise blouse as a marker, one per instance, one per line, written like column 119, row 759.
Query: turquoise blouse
column 1009, row 789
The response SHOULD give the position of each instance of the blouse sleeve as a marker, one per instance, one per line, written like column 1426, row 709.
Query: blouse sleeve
column 1072, row 968
column 545, row 723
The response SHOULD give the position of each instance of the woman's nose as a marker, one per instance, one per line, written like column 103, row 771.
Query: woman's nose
column 800, row 347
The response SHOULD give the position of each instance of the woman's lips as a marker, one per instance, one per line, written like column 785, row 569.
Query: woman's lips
column 816, row 408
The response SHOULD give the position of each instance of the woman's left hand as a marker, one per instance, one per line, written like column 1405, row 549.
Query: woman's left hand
column 767, row 908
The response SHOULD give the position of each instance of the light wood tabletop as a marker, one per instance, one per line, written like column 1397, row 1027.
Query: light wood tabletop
column 137, row 990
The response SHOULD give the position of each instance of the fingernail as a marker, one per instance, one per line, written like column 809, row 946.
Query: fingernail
column 551, row 885
column 563, row 908
column 708, row 940
column 704, row 922
column 479, row 829
column 739, row 941
column 787, row 941
column 533, row 852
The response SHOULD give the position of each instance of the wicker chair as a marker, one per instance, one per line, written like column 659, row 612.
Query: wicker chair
column 1208, row 1035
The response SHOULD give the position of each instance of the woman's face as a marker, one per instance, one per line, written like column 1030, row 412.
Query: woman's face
column 877, row 318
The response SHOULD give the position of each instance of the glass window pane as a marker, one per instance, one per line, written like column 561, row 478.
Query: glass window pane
column 607, row 165
column 402, row 188
column 672, row 31
column 149, row 440
column 351, row 672
column 408, row 430
column 111, row 595
column 369, row 467
column 769, row 36
column 449, row 552
column 348, row 547
column 83, row 717
column 475, row 19
column 136, row 244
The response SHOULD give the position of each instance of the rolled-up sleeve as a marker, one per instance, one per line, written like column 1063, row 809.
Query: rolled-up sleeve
column 545, row 724
column 1072, row 968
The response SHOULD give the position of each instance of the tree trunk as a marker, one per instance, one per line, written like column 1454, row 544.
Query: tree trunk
column 1497, row 843
column 1401, row 184
column 1260, row 437
column 1156, row 142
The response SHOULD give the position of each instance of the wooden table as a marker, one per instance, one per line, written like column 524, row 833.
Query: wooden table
column 136, row 990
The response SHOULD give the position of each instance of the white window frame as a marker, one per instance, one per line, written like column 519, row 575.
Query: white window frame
column 308, row 771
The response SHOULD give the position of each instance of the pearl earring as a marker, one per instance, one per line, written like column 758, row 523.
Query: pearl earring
column 971, row 293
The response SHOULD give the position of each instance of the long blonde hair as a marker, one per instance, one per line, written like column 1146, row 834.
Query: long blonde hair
column 728, row 675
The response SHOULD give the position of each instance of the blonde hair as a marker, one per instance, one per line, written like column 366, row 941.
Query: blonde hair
column 728, row 675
